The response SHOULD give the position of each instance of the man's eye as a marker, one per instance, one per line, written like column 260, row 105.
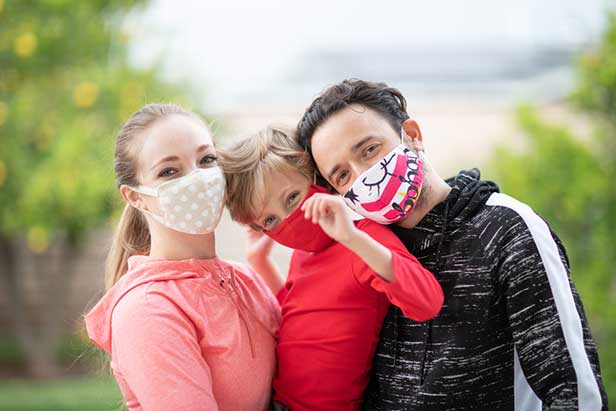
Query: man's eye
column 371, row 150
column 167, row 172
column 208, row 159
column 341, row 178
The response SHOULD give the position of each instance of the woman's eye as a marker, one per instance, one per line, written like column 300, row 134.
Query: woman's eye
column 167, row 172
column 208, row 159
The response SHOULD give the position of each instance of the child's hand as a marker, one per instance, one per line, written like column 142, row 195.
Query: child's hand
column 258, row 247
column 332, row 215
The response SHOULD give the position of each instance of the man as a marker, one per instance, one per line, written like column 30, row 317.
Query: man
column 512, row 333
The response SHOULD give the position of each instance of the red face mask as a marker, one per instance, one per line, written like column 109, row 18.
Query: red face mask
column 298, row 233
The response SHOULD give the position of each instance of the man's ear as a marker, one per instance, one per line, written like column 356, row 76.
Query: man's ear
column 132, row 197
column 413, row 132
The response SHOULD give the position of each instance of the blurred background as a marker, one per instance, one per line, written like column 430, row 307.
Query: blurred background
column 524, row 90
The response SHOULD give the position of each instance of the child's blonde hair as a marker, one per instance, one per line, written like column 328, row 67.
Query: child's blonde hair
column 249, row 163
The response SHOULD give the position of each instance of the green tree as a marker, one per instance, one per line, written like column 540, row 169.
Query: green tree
column 65, row 88
column 570, row 180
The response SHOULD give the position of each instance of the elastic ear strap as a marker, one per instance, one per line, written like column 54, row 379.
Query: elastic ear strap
column 148, row 191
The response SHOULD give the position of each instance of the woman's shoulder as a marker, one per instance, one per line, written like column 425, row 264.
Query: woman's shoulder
column 247, row 275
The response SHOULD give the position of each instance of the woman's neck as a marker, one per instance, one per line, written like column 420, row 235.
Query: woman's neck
column 172, row 245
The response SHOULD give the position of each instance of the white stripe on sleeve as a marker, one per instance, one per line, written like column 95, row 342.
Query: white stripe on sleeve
column 589, row 396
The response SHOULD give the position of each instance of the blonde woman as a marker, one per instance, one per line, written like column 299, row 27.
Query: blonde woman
column 185, row 329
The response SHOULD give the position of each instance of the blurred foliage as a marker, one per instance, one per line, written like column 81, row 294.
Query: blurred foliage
column 74, row 353
column 67, row 394
column 65, row 88
column 571, row 181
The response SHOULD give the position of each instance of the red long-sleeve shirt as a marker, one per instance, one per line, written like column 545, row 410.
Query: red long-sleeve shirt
column 333, row 306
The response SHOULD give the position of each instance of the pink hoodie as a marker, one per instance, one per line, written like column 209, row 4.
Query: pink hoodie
column 189, row 335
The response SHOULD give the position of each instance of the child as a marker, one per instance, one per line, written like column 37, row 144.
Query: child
column 342, row 278
column 185, row 329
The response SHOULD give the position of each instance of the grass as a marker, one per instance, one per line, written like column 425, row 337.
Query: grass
column 84, row 393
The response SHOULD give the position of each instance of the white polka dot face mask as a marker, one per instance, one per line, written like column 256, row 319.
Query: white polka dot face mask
column 190, row 204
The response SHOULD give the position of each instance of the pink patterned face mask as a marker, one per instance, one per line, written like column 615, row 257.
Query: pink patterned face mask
column 388, row 191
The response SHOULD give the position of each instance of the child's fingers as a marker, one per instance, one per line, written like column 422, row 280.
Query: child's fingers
column 316, row 215
column 310, row 206
column 307, row 208
column 325, row 207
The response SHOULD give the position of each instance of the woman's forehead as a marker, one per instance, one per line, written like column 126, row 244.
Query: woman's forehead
column 176, row 135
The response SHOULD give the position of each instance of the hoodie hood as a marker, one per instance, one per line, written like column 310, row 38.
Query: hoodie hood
column 141, row 270
column 467, row 197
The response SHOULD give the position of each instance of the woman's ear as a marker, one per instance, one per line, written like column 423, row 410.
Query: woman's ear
column 411, row 130
column 132, row 197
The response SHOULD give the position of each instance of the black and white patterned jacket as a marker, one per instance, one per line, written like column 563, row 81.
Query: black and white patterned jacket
column 512, row 333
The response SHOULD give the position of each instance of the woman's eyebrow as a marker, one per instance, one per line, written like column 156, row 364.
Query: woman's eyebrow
column 204, row 147
column 164, row 160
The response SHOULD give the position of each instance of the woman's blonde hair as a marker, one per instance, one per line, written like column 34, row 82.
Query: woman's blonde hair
column 249, row 163
column 132, row 235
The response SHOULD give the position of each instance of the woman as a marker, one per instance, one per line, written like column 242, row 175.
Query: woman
column 185, row 329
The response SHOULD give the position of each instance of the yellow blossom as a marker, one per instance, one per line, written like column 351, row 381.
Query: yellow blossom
column 38, row 239
column 25, row 44
column 85, row 94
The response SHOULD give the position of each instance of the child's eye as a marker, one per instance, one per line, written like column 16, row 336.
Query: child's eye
column 167, row 172
column 268, row 222
column 208, row 159
column 292, row 197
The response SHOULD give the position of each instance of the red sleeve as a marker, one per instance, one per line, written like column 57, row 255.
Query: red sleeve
column 415, row 290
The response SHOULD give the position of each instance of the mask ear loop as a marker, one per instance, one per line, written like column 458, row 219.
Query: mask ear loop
column 314, row 177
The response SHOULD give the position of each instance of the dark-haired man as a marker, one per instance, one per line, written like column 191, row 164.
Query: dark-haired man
column 512, row 333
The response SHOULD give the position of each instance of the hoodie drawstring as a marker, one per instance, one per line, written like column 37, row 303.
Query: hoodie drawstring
column 242, row 308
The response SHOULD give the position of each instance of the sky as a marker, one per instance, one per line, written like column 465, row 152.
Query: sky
column 239, row 52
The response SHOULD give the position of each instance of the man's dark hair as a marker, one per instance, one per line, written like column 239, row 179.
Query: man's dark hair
column 379, row 97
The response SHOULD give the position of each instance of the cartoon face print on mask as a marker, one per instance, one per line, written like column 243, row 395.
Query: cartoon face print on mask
column 389, row 190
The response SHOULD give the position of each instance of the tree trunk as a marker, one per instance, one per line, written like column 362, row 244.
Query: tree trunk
column 39, row 362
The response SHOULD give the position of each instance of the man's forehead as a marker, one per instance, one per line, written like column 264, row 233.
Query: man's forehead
column 349, row 125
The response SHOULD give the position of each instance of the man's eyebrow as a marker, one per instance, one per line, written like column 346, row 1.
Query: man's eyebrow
column 355, row 147
column 333, row 171
column 361, row 143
